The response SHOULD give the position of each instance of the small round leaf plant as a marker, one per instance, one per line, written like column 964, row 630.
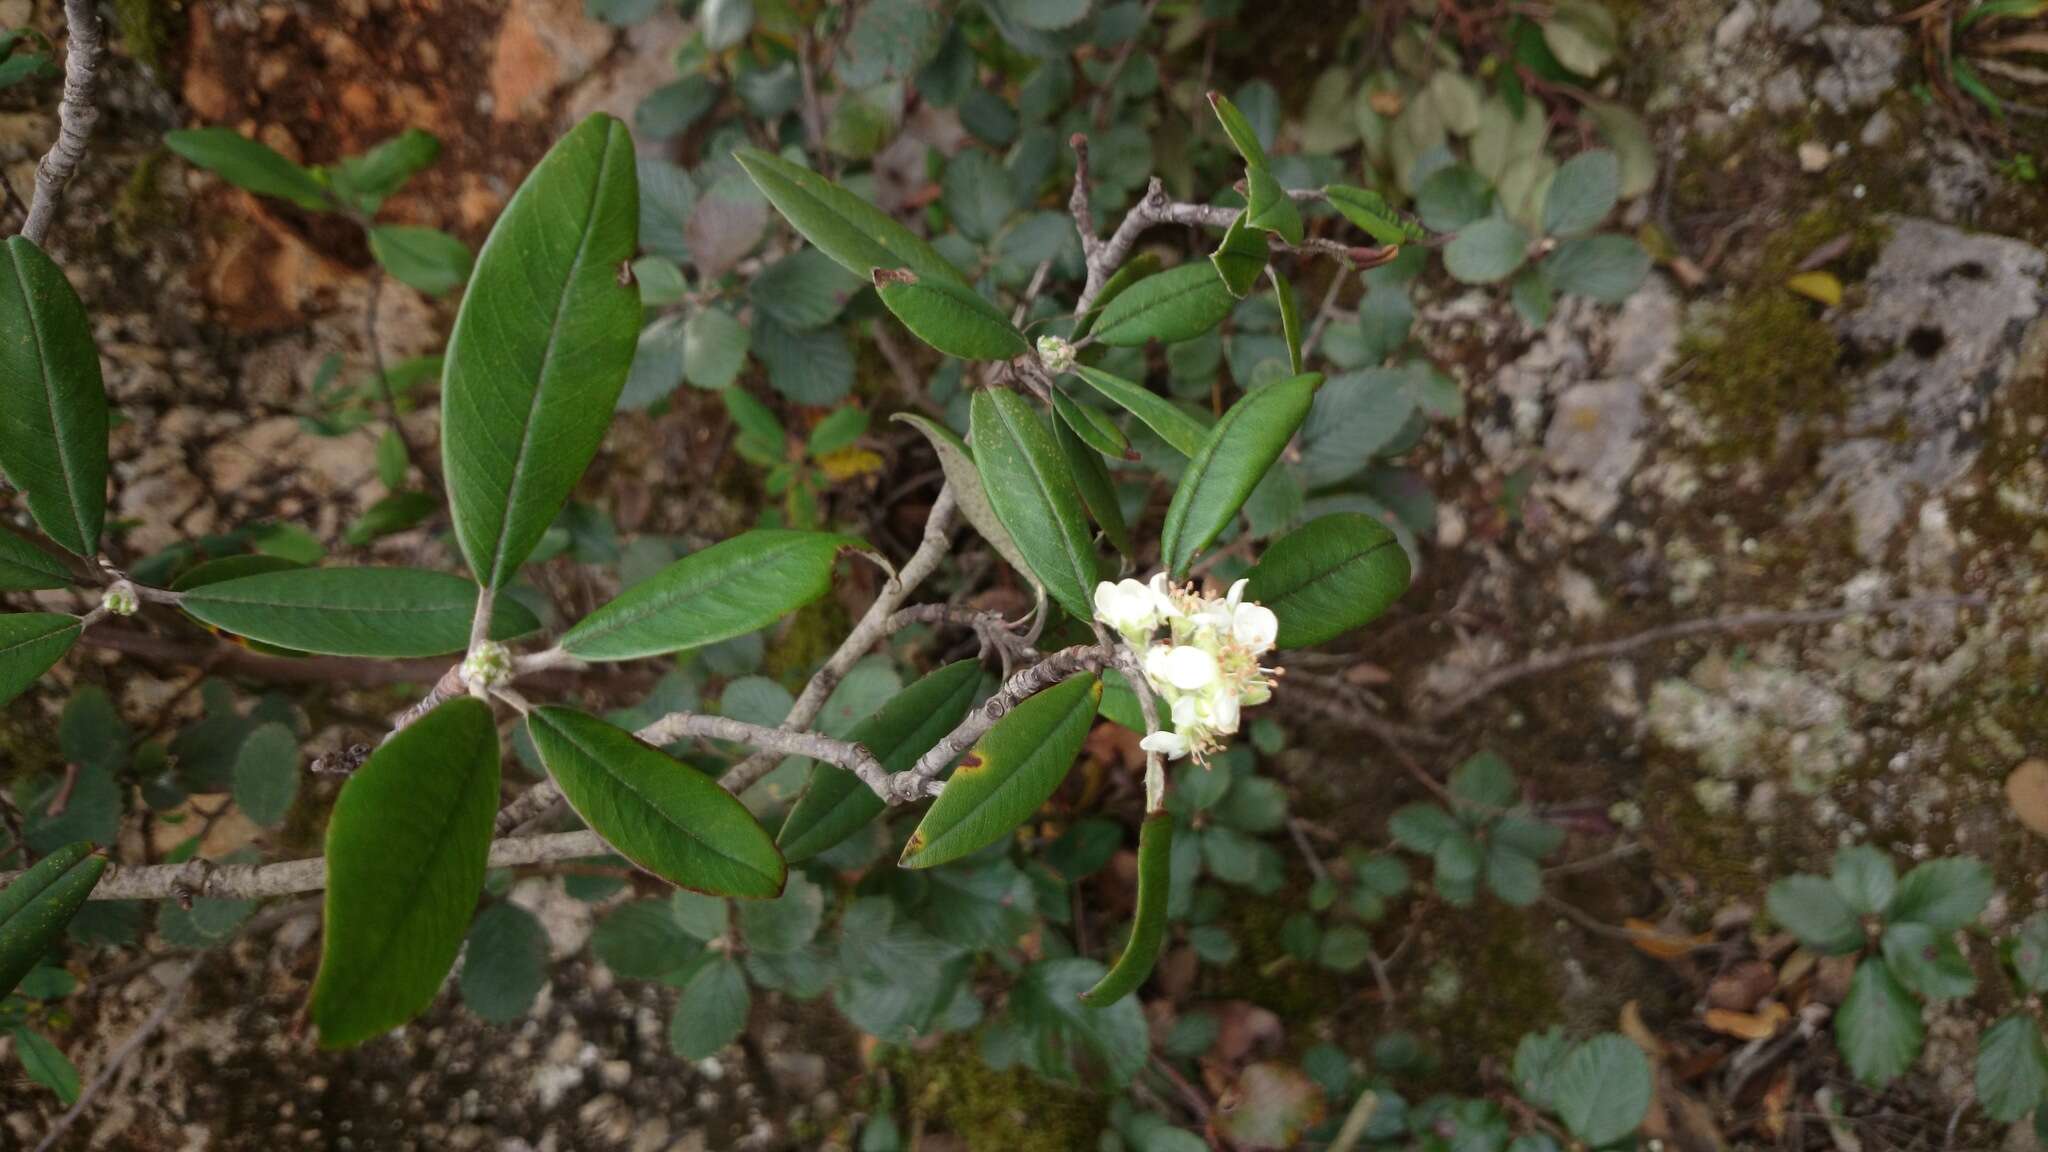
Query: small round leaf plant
column 541, row 348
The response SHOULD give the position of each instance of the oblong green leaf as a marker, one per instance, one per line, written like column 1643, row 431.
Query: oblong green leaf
column 1290, row 320
column 1372, row 214
column 2012, row 1068
column 1148, row 923
column 1232, row 460
column 250, row 165
column 1236, row 126
column 1178, row 304
column 1093, row 426
column 1269, row 208
column 732, row 588
column 53, row 405
column 30, row 642
column 382, row 613
column 957, row 321
column 1180, row 430
column 24, row 566
column 1241, row 256
column 860, row 236
column 406, row 847
column 1878, row 1026
column 1032, row 490
column 836, row 804
column 35, row 908
column 541, row 347
column 46, row 1064
column 1135, row 269
column 1096, row 486
column 1011, row 772
column 956, row 460
column 661, row 814
column 1332, row 574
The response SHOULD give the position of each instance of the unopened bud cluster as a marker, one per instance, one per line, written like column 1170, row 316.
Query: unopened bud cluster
column 120, row 599
column 488, row 665
column 1205, row 668
column 1055, row 354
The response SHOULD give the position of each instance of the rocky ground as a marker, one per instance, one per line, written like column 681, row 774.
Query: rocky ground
column 1717, row 445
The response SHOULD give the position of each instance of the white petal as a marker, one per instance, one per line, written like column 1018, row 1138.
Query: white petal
column 1171, row 745
column 1189, row 669
column 1187, row 711
column 1236, row 596
column 1255, row 627
column 1162, row 597
column 1223, row 712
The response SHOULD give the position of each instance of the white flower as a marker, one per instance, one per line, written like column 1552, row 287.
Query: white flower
column 1171, row 745
column 1128, row 607
column 1055, row 354
column 1162, row 595
column 1254, row 626
column 1186, row 668
column 1223, row 712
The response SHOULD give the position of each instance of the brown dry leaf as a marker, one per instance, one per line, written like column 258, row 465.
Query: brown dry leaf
column 1796, row 967
column 1653, row 941
column 1269, row 1107
column 1832, row 987
column 1243, row 1028
column 1760, row 1025
column 1777, row 1099
column 1692, row 1121
column 1631, row 1025
column 2027, row 791
column 1740, row 988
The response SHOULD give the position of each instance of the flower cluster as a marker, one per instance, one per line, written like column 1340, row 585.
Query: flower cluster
column 120, row 599
column 1206, row 668
column 488, row 665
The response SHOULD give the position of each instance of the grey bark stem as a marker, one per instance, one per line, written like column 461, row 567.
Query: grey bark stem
column 922, row 779
column 75, row 116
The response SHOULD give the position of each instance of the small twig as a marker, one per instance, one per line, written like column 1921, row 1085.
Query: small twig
column 921, row 778
column 447, row 688
column 1545, row 662
column 873, row 625
column 75, row 117
column 174, row 995
column 1323, row 315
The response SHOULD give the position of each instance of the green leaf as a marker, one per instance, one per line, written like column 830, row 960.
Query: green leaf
column 541, row 347
column 425, row 258
column 1488, row 251
column 1269, row 208
column 1484, row 781
column 250, row 165
column 1371, row 213
column 406, row 846
column 1420, row 827
column 976, row 194
column 1010, row 773
column 1865, row 878
column 786, row 923
column 860, row 236
column 1032, row 491
column 1927, row 961
column 1329, row 576
column 1240, row 257
column 1181, row 431
column 1148, row 922
column 1178, row 304
column 1238, row 128
column 664, row 816
column 836, row 804
column 1538, row 1057
column 957, row 321
column 1814, row 911
column 267, row 774
column 957, row 462
column 1093, row 426
column 1232, row 460
column 1290, row 320
column 1582, row 193
column 24, row 566
column 53, row 440
column 506, row 964
column 714, row 348
column 642, row 940
column 35, row 908
column 371, row 612
column 1453, row 197
column 2029, row 952
column 1606, row 268
column 366, row 181
column 46, row 1065
column 1582, row 35
column 1135, row 269
column 1878, row 1025
column 732, row 588
column 1097, row 487
column 1602, row 1089
column 804, row 290
column 1515, row 878
column 1046, row 1001
column 30, row 643
column 1944, row 894
column 2012, row 1068
column 712, row 1012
